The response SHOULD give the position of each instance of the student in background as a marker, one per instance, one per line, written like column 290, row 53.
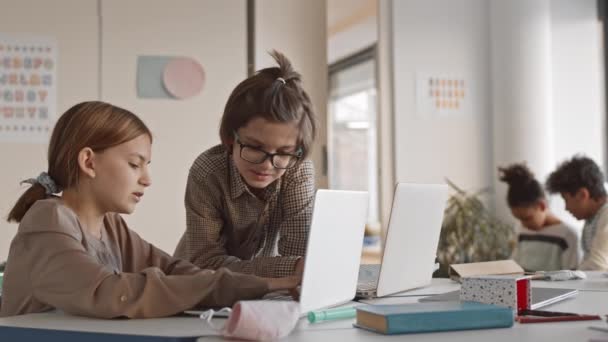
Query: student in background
column 74, row 252
column 581, row 183
column 249, row 200
column 544, row 242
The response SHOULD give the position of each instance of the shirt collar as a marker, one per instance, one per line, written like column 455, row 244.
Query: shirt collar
column 238, row 186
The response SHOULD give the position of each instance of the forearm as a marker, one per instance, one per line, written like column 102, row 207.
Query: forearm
column 272, row 267
column 151, row 293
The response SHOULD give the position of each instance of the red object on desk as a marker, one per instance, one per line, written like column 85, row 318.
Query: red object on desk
column 528, row 319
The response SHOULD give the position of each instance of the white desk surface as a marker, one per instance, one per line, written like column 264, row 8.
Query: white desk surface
column 171, row 326
column 586, row 302
column 592, row 299
column 596, row 281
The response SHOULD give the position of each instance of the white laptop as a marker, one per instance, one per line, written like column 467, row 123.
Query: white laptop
column 411, row 242
column 333, row 254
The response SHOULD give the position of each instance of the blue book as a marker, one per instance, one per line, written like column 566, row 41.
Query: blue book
column 432, row 317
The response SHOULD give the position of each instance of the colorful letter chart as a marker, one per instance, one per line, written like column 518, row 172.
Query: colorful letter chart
column 442, row 95
column 28, row 88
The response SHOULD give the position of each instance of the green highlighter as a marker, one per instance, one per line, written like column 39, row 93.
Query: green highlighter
column 332, row 314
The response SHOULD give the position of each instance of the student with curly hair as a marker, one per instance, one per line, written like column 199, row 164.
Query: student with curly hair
column 581, row 183
column 544, row 242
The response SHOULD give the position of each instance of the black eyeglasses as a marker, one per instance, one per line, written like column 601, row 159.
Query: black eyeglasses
column 255, row 155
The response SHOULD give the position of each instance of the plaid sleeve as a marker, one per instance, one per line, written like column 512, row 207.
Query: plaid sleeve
column 205, row 244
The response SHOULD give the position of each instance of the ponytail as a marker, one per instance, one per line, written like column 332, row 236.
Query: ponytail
column 42, row 186
column 34, row 193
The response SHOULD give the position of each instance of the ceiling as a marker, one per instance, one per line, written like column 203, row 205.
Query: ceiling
column 343, row 14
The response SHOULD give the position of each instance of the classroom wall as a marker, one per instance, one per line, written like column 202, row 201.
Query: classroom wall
column 578, row 80
column 522, row 112
column 77, row 81
column 455, row 37
column 441, row 37
column 182, row 129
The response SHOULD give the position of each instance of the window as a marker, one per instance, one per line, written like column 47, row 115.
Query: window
column 352, row 133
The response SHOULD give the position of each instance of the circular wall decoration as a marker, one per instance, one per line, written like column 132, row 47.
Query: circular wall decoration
column 183, row 77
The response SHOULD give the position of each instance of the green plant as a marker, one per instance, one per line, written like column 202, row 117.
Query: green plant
column 470, row 233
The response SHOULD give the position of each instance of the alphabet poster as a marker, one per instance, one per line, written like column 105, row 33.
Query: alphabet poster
column 28, row 88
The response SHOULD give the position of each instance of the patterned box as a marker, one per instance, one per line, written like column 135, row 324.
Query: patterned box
column 506, row 290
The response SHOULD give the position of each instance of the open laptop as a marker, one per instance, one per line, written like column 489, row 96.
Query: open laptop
column 411, row 242
column 333, row 252
column 539, row 296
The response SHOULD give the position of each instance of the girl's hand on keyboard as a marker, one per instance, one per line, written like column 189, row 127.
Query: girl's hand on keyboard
column 295, row 293
column 299, row 269
column 285, row 283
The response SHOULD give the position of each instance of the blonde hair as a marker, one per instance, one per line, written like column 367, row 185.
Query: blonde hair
column 94, row 124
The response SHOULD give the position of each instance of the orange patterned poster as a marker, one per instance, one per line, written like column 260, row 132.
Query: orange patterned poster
column 442, row 95
column 28, row 88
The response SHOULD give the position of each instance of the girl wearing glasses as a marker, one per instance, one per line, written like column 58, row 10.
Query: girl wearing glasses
column 249, row 200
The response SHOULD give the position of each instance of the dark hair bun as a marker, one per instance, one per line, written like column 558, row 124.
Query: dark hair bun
column 516, row 175
column 524, row 189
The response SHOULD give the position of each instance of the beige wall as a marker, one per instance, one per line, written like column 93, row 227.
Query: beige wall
column 442, row 37
column 298, row 29
column 212, row 32
column 76, row 36
column 385, row 109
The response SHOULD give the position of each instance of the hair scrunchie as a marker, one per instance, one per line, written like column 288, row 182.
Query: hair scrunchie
column 46, row 181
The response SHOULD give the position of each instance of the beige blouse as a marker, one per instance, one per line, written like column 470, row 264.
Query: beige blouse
column 595, row 242
column 54, row 263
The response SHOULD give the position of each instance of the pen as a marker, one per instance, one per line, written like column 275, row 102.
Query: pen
column 332, row 314
column 546, row 313
column 524, row 319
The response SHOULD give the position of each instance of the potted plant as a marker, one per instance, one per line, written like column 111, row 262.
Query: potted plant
column 470, row 233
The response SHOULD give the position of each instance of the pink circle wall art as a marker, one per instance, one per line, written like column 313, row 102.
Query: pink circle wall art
column 183, row 77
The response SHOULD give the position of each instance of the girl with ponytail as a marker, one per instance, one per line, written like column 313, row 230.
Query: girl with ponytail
column 74, row 252
column 544, row 242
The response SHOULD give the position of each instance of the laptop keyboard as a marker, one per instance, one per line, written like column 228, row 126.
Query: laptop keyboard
column 278, row 295
column 368, row 277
